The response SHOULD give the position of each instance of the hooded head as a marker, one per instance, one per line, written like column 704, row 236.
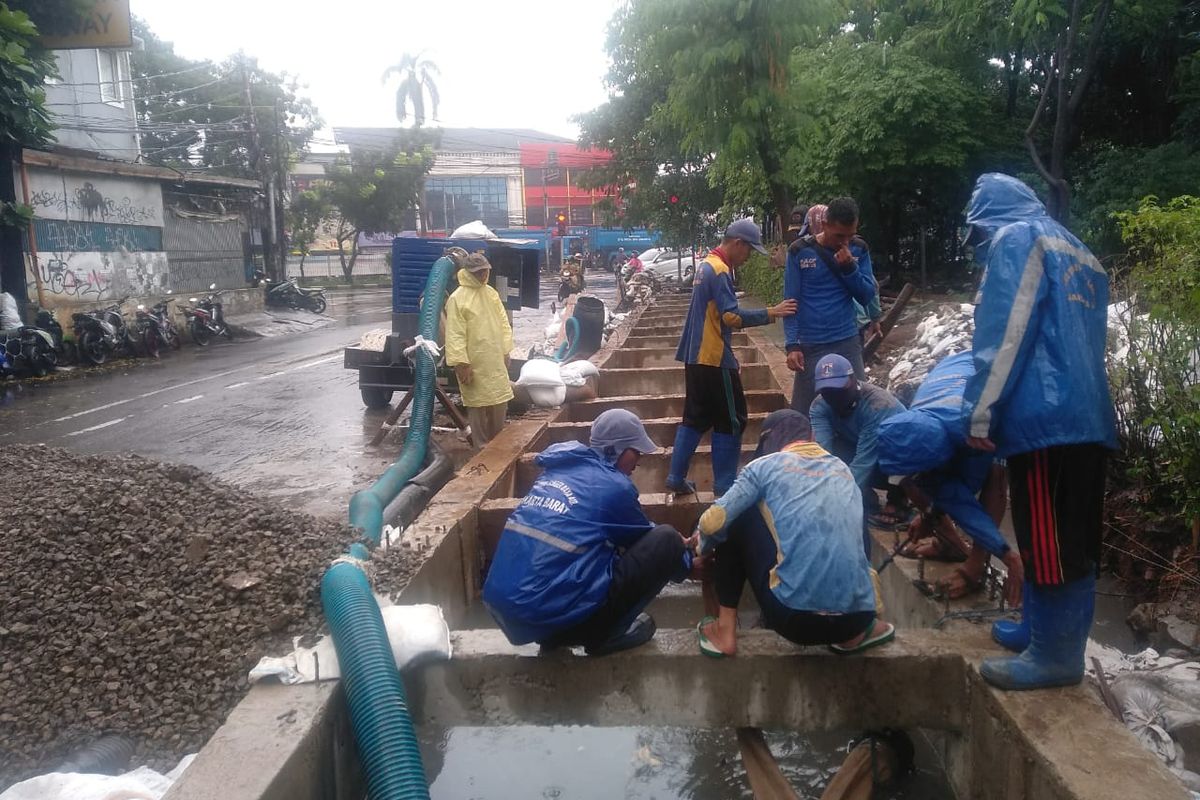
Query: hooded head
column 998, row 200
column 912, row 442
column 616, row 431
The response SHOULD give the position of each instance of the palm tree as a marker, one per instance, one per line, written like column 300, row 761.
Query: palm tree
column 416, row 79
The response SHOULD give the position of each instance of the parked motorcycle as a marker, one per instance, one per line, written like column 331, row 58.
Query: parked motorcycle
column 27, row 349
column 161, row 312
column 102, row 333
column 292, row 295
column 206, row 318
column 64, row 346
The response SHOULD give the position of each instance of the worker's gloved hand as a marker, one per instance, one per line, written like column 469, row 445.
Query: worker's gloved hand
column 463, row 371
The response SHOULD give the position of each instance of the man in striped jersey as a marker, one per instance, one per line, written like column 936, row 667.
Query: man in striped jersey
column 1040, row 399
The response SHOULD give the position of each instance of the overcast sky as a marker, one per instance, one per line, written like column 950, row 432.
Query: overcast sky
column 522, row 64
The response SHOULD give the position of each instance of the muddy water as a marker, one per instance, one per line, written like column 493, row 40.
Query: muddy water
column 582, row 763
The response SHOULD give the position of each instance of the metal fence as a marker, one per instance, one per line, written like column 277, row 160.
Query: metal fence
column 203, row 252
column 330, row 266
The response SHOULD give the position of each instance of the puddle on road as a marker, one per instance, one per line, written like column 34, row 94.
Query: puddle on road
column 585, row 763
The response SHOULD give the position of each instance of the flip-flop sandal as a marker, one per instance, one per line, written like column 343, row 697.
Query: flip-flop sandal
column 886, row 636
column 706, row 646
column 970, row 585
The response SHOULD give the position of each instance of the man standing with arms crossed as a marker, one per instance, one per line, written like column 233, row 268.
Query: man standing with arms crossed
column 713, row 396
column 1039, row 398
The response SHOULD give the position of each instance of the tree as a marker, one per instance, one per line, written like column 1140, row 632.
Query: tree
column 305, row 215
column 372, row 189
column 24, row 118
column 416, row 81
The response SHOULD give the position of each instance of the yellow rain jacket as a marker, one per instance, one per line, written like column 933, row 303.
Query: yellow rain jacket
column 478, row 334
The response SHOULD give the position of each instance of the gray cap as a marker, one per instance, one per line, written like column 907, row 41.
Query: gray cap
column 618, row 430
column 747, row 230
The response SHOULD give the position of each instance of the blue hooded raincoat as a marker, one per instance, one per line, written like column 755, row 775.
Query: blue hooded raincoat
column 928, row 439
column 1040, row 327
column 554, row 562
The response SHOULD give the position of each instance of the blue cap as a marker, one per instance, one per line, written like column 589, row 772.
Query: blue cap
column 618, row 430
column 747, row 230
column 831, row 372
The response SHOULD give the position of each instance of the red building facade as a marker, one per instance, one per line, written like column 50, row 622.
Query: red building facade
column 551, row 176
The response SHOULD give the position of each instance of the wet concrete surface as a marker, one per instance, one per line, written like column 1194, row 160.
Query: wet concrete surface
column 278, row 416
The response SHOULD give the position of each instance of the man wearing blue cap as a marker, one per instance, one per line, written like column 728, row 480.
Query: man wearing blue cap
column 825, row 275
column 578, row 560
column 713, row 396
column 845, row 420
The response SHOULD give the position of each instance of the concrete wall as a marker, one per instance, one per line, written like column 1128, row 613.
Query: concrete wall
column 90, row 116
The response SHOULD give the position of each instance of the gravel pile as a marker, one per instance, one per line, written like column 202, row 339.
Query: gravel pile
column 134, row 598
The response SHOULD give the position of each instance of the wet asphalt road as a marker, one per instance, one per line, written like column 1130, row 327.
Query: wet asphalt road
column 278, row 416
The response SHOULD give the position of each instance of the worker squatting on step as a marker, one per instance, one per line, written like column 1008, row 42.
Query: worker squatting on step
column 949, row 481
column 825, row 274
column 790, row 526
column 1039, row 398
column 478, row 341
column 713, row 395
column 845, row 416
column 578, row 561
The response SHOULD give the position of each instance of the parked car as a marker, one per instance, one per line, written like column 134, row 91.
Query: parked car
column 665, row 262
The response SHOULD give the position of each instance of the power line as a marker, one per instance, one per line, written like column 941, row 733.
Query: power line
column 205, row 65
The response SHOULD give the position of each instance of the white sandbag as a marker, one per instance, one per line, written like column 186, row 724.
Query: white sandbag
column 473, row 230
column 142, row 783
column 540, row 372
column 547, row 396
column 10, row 315
column 417, row 634
column 576, row 373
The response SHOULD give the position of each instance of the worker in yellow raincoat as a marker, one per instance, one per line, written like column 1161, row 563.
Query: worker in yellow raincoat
column 478, row 341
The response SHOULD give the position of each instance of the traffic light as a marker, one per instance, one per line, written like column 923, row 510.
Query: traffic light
column 674, row 199
column 561, row 219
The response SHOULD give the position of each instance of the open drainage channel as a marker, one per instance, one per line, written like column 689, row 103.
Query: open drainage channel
column 504, row 722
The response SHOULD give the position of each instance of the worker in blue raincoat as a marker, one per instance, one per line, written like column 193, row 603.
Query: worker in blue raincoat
column 943, row 476
column 1039, row 398
column 846, row 416
column 578, row 560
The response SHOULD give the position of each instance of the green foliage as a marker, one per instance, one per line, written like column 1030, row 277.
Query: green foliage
column 416, row 80
column 759, row 279
column 24, row 67
column 304, row 216
column 1156, row 374
column 193, row 113
column 371, row 190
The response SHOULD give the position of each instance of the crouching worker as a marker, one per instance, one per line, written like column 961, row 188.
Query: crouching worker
column 791, row 525
column 578, row 561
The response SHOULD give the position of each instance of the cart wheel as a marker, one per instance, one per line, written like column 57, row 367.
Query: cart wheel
column 375, row 396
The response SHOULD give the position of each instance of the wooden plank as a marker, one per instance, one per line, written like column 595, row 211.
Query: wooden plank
column 855, row 779
column 766, row 780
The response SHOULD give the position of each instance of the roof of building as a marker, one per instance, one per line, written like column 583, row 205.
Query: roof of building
column 486, row 140
column 98, row 166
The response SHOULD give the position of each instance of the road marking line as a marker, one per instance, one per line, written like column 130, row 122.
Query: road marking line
column 98, row 427
column 173, row 387
column 188, row 399
column 238, row 385
column 270, row 375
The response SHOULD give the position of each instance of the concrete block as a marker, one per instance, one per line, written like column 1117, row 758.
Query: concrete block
column 631, row 357
column 650, row 475
column 671, row 342
column 664, row 380
column 667, row 405
column 916, row 681
column 662, row 431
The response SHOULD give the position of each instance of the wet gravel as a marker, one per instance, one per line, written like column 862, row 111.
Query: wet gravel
column 134, row 598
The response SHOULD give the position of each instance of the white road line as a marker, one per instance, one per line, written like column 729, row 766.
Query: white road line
column 270, row 375
column 110, row 423
column 238, row 385
column 188, row 399
column 173, row 387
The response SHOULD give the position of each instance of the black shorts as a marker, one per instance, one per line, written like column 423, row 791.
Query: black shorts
column 714, row 399
column 1058, row 510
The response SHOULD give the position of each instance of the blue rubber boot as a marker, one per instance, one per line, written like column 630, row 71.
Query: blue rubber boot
column 1014, row 634
column 726, row 449
column 686, row 441
column 1060, row 618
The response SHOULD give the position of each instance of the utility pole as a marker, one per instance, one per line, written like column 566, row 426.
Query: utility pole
column 279, row 178
column 258, row 162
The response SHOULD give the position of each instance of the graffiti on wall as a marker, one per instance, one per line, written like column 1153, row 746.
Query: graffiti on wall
column 91, row 276
column 91, row 198
column 94, row 236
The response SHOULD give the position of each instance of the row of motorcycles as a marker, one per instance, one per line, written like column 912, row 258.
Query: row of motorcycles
column 104, row 333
